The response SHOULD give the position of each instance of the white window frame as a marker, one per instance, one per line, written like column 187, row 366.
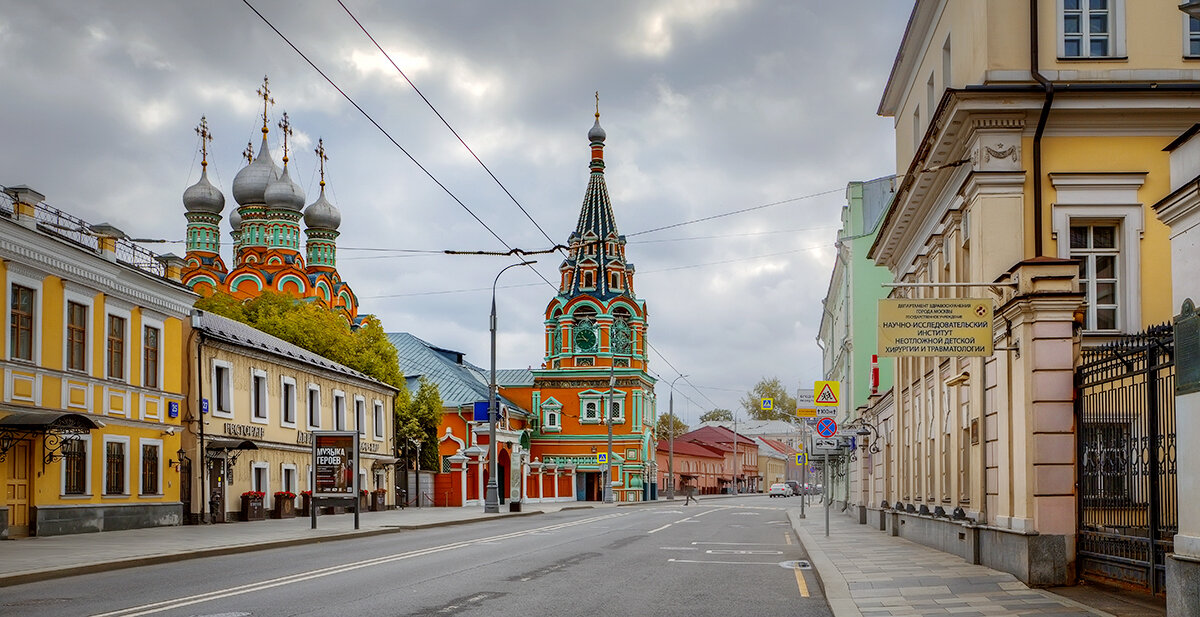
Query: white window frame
column 360, row 415
column 380, row 419
column 78, row 296
column 15, row 278
column 227, row 395
column 284, row 382
column 157, row 324
column 268, row 498
column 339, row 410
column 551, row 410
column 601, row 400
column 127, row 315
column 87, row 471
column 1100, row 198
column 259, row 416
column 157, row 443
column 1116, row 32
column 283, row 475
column 309, row 412
column 1187, row 36
column 123, row 440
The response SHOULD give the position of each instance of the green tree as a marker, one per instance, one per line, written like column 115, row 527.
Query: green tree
column 717, row 415
column 668, row 425
column 783, row 405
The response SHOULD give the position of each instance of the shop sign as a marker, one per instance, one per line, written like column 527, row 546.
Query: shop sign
column 243, row 430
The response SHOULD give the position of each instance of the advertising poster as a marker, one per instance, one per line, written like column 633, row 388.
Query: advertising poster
column 335, row 463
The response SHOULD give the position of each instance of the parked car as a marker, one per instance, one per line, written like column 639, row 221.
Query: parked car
column 795, row 487
column 780, row 489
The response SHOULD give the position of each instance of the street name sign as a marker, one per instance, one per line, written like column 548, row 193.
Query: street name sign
column 943, row 327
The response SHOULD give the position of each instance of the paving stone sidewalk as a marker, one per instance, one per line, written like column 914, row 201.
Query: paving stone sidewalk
column 867, row 573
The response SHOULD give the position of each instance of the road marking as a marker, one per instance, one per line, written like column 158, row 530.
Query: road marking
column 800, row 582
column 731, row 563
column 678, row 548
column 725, row 552
column 660, row 528
column 787, row 538
column 166, row 605
column 739, row 543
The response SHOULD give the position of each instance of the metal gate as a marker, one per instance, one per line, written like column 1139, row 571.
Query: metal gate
column 1125, row 417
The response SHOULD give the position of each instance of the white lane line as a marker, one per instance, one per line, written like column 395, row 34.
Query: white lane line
column 728, row 552
column 739, row 543
column 730, row 563
column 660, row 528
column 165, row 605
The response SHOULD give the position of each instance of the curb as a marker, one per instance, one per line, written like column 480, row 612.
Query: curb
column 149, row 560
column 833, row 584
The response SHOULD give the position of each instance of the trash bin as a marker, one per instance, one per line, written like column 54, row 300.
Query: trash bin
column 514, row 506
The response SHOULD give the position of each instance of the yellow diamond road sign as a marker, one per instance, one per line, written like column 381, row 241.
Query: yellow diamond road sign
column 827, row 393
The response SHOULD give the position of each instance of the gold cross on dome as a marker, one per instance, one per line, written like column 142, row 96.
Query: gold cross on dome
column 321, row 158
column 286, row 127
column 265, row 93
column 205, row 137
column 248, row 154
column 597, row 104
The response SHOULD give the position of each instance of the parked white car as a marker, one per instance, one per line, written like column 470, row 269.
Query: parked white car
column 780, row 489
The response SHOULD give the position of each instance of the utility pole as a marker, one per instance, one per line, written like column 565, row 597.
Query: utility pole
column 735, row 458
column 671, row 441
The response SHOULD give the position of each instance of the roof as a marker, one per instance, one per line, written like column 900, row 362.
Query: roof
column 716, row 435
column 459, row 382
column 778, row 445
column 515, row 377
column 758, row 427
column 40, row 421
column 238, row 333
column 688, row 448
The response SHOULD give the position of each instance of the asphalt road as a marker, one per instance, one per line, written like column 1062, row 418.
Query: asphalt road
column 723, row 558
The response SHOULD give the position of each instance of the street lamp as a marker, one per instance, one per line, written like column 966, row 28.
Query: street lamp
column 492, row 500
column 671, row 441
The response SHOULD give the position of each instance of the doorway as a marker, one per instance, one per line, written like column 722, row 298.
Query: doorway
column 16, row 489
column 503, row 462
column 216, row 491
column 587, row 486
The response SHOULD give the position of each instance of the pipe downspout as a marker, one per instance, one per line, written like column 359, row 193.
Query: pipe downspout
column 1048, row 87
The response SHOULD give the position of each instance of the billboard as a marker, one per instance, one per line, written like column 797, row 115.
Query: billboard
column 335, row 463
column 935, row 327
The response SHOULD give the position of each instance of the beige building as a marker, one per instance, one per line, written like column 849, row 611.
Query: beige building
column 1030, row 143
column 261, row 399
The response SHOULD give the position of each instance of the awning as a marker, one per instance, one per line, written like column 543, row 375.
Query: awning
column 230, row 444
column 40, row 421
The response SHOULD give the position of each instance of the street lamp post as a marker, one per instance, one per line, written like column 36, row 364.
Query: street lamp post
column 492, row 499
column 671, row 442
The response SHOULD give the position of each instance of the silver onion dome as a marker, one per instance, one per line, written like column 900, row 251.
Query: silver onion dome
column 235, row 220
column 321, row 214
column 203, row 196
column 597, row 133
column 251, row 182
column 283, row 194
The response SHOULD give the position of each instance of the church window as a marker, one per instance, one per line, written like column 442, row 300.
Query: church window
column 587, row 280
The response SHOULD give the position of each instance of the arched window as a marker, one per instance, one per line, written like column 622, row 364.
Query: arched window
column 622, row 334
column 587, row 280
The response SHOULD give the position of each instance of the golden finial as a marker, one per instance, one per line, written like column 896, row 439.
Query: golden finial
column 205, row 137
column 286, row 127
column 249, row 152
column 321, row 158
column 597, row 104
column 265, row 93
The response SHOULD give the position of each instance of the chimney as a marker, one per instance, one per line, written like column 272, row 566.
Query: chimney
column 107, row 235
column 174, row 266
column 24, row 201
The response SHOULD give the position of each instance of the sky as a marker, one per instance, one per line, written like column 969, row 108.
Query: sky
column 710, row 108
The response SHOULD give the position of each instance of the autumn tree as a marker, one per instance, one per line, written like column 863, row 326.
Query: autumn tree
column 670, row 425
column 717, row 415
column 783, row 405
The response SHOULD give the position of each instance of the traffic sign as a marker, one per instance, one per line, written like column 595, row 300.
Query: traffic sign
column 810, row 421
column 601, row 458
column 826, row 427
column 800, row 458
column 827, row 393
column 804, row 400
column 828, row 445
column 768, row 404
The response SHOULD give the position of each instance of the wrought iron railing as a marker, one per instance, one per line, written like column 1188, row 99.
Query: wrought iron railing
column 55, row 222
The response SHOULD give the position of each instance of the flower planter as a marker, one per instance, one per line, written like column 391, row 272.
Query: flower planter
column 305, row 505
column 284, row 508
column 364, row 502
column 252, row 509
column 379, row 501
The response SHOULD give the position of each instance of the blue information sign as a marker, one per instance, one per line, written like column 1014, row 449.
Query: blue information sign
column 481, row 411
column 203, row 405
column 173, row 409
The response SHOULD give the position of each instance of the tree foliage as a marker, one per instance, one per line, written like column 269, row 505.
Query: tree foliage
column 668, row 425
column 365, row 349
column 717, row 415
column 783, row 404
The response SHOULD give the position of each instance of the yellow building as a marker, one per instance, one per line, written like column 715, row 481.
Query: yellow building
column 1030, row 143
column 261, row 399
column 92, row 375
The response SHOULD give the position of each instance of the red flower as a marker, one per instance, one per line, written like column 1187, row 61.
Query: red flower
column 254, row 494
column 284, row 495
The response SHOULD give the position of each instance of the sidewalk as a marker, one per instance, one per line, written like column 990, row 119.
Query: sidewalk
column 34, row 559
column 867, row 573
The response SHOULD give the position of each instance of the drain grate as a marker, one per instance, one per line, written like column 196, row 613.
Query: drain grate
column 796, row 564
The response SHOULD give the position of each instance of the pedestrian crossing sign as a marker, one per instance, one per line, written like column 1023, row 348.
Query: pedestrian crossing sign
column 768, row 404
column 800, row 458
column 827, row 393
column 601, row 458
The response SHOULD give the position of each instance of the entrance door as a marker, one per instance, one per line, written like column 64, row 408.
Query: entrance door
column 185, row 490
column 216, row 490
column 16, row 489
